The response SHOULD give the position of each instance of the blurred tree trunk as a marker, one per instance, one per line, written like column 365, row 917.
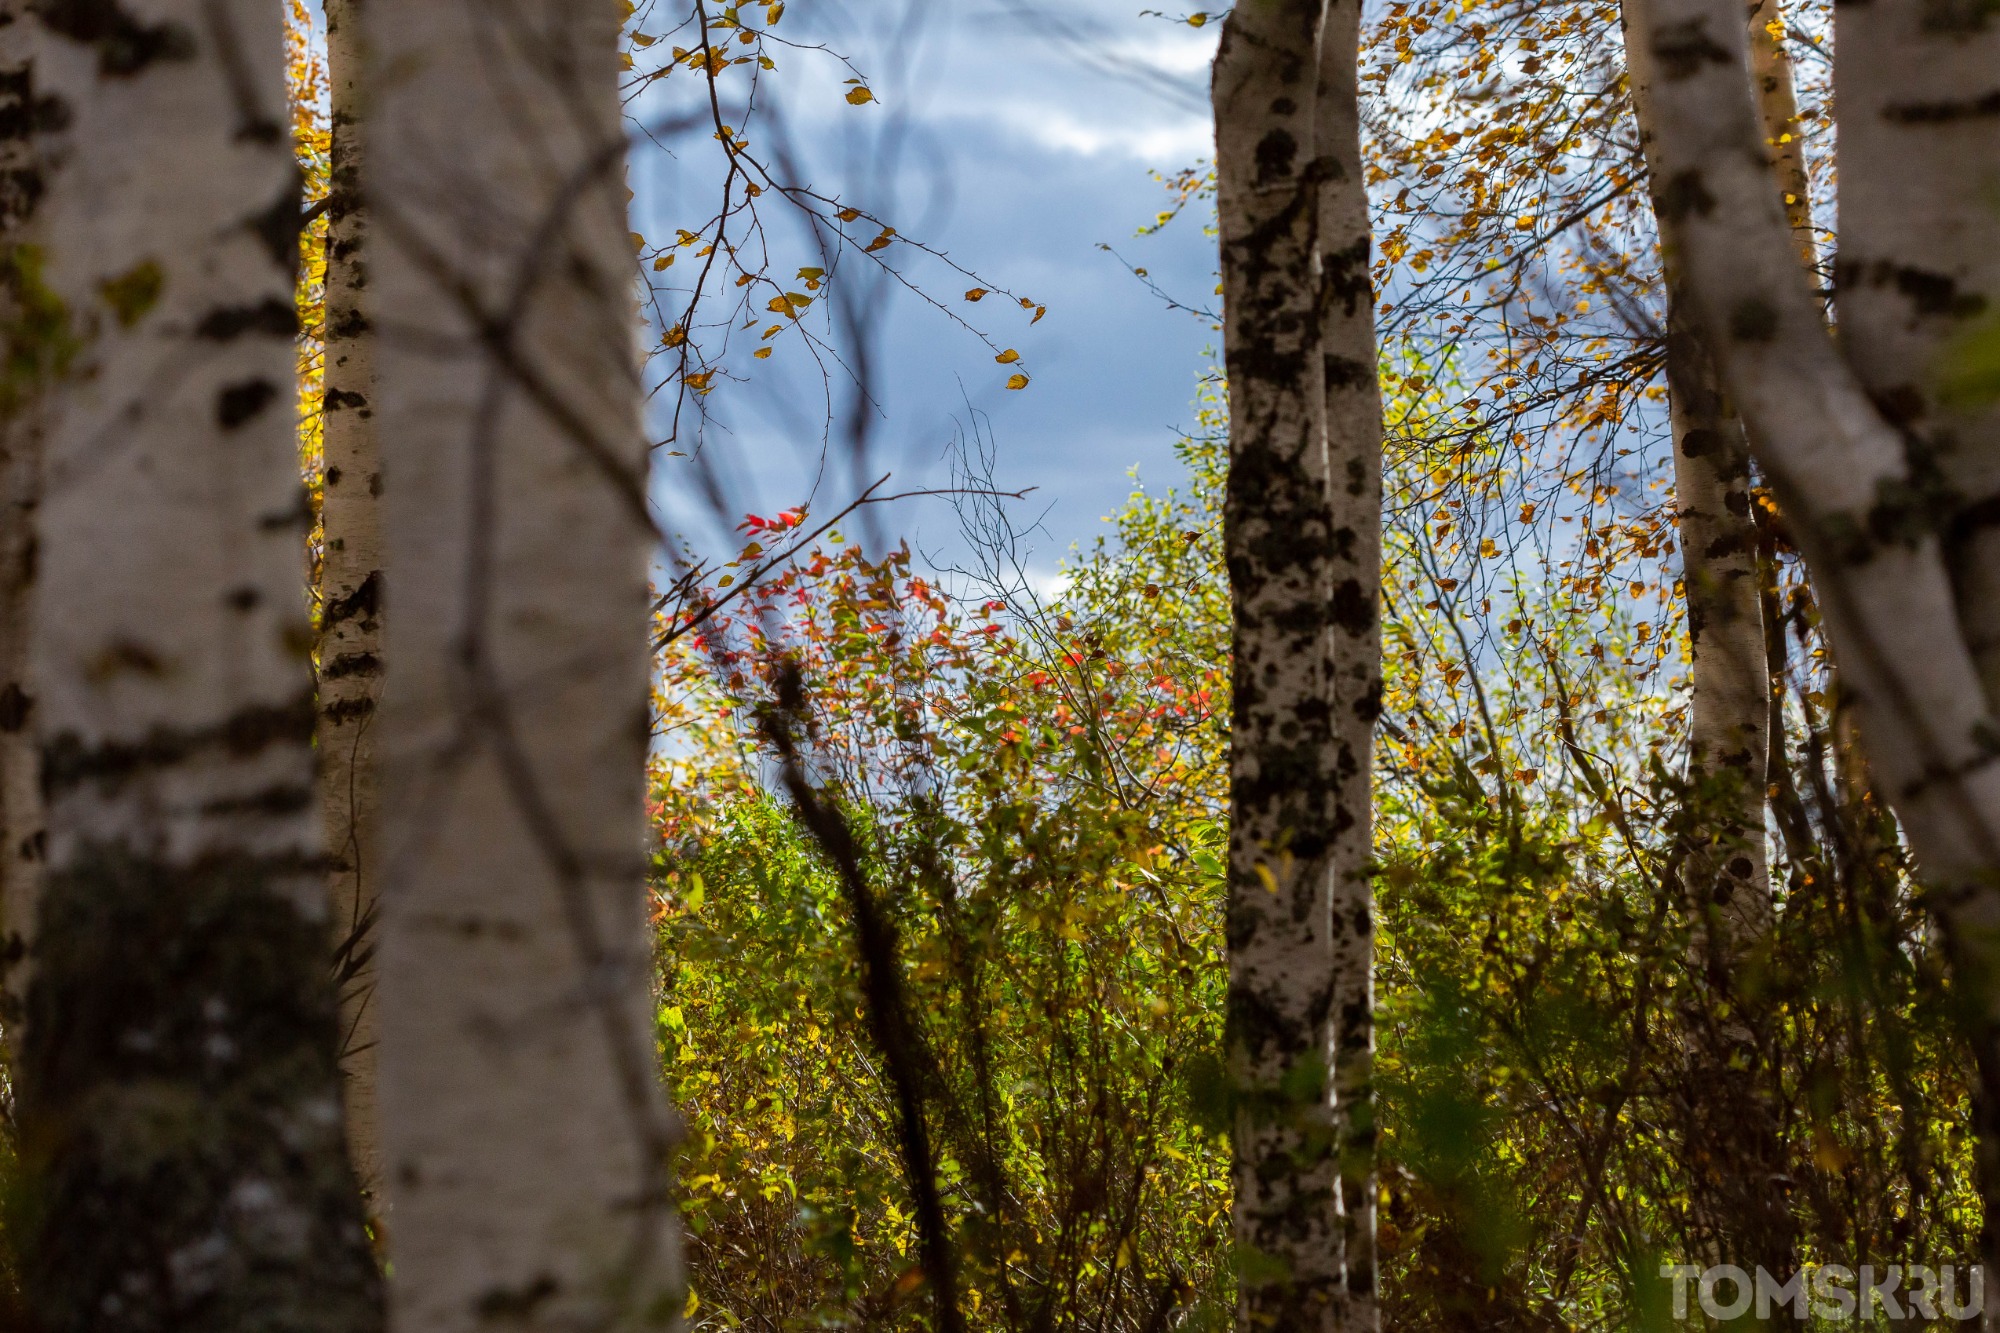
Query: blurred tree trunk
column 1284, row 758
column 1885, row 483
column 525, row 1137
column 1354, row 448
column 178, row 1090
column 1918, row 89
column 350, row 645
column 30, row 122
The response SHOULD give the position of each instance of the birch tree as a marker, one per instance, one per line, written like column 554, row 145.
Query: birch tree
column 1729, row 731
column 179, row 1102
column 1285, row 781
column 29, row 124
column 1732, row 1142
column 1877, row 472
column 350, row 646
column 525, row 1137
column 1354, row 446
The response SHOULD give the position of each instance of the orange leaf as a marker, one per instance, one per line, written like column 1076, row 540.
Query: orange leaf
column 975, row 293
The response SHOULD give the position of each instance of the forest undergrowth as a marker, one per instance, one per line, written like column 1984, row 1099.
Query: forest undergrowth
column 1037, row 787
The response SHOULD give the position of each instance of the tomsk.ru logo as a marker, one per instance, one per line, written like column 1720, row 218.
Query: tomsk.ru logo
column 1830, row 1291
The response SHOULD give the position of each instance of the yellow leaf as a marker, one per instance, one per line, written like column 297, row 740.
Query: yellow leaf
column 1196, row 20
column 1040, row 310
column 641, row 39
column 665, row 261
column 761, row 353
column 848, row 214
column 860, row 96
column 674, row 336
column 1017, row 381
column 624, row 60
column 1487, row 549
column 1008, row 357
column 975, row 294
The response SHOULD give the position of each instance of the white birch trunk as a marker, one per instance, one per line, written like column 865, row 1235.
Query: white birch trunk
column 1866, row 521
column 181, row 998
column 1784, row 137
column 1729, row 706
column 1918, row 92
column 1729, row 1132
column 350, row 644
column 525, row 1137
column 1354, row 448
column 1919, row 259
column 1284, row 779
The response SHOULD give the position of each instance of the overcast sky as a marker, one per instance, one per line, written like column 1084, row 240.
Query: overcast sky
column 1029, row 144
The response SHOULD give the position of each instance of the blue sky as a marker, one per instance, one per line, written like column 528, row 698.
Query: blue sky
column 1018, row 144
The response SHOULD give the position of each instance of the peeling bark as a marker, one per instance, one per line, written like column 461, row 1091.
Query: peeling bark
column 525, row 1136
column 351, row 595
column 179, row 1097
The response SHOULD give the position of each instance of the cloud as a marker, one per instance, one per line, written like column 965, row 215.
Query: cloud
column 1164, row 142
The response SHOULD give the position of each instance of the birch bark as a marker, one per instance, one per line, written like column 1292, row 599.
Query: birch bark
column 1284, row 779
column 1354, row 448
column 1918, row 92
column 178, row 1091
column 1868, row 519
column 1729, row 725
column 30, row 122
column 1919, row 97
column 525, row 1136
column 350, row 644
column 1731, row 1138
column 1784, row 140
